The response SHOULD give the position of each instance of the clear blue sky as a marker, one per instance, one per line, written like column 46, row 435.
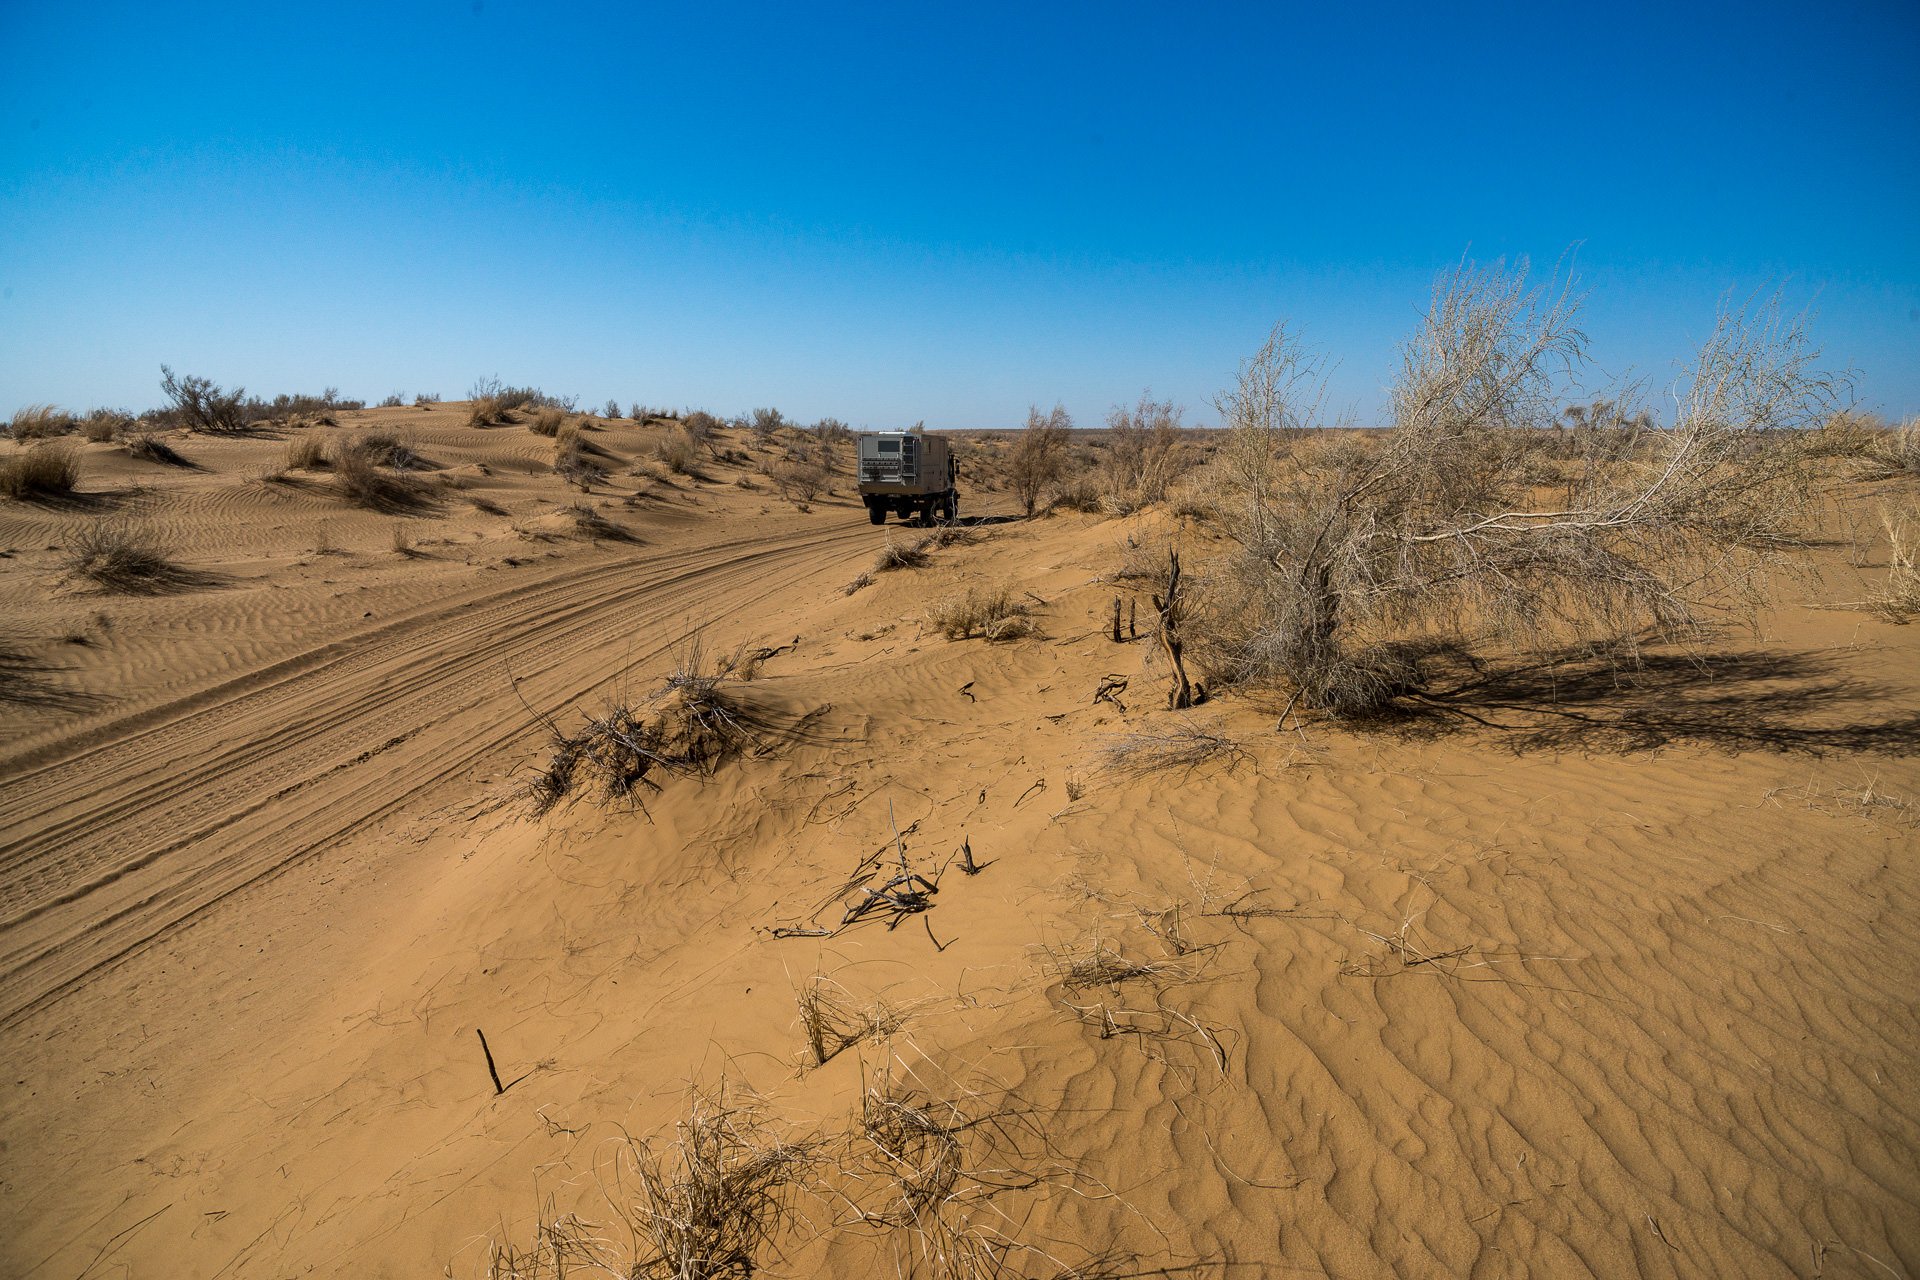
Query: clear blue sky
column 893, row 212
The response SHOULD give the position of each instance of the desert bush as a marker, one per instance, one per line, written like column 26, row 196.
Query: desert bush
column 200, row 404
column 1354, row 559
column 104, row 425
column 39, row 422
column 676, row 450
column 306, row 453
column 1183, row 746
column 546, row 422
column 1849, row 433
column 422, row 399
column 766, row 421
column 1038, row 457
column 47, row 470
column 493, row 404
column 116, row 557
column 897, row 555
column 573, row 461
column 360, row 479
column 990, row 612
column 702, row 428
column 1083, row 493
column 151, row 448
column 1899, row 600
column 385, row 448
column 799, row 482
column 1146, row 452
column 395, row 401
column 1894, row 453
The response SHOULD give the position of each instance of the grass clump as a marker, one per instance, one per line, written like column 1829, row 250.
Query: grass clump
column 121, row 559
column 988, row 612
column 679, row 453
column 151, row 448
column 1184, row 746
column 574, row 462
column 899, row 555
column 39, row 422
column 307, row 453
column 47, row 470
column 362, row 481
column 547, row 422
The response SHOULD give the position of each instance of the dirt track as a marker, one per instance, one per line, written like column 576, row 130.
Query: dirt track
column 127, row 829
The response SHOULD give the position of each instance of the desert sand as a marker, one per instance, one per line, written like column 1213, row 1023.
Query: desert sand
column 1626, row 991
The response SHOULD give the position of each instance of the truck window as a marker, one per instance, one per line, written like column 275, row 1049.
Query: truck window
column 888, row 446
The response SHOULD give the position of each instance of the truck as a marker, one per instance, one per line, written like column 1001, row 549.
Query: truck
column 908, row 474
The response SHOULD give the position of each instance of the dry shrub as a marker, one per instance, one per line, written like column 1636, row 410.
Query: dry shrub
column 1894, row 453
column 546, row 422
column 1081, row 493
column 103, row 426
column 858, row 584
column 1146, row 452
column 589, row 523
column 798, row 482
column 307, row 453
column 118, row 558
column 1184, row 746
column 573, row 461
column 39, row 422
column 200, row 404
column 386, row 449
column 1092, row 963
column 1899, row 600
column 1356, row 557
column 1850, row 433
column 362, row 482
column 47, row 470
column 991, row 612
column 151, row 448
column 492, row 403
column 1038, row 457
column 678, row 451
column 691, row 725
column 897, row 555
column 833, row 1021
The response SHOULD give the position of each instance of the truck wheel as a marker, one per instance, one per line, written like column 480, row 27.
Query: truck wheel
column 877, row 514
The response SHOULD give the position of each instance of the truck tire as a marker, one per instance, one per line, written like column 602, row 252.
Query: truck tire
column 876, row 514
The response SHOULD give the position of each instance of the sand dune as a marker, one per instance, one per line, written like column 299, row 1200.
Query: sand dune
column 1622, row 991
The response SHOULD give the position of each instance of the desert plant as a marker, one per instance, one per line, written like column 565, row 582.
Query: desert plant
column 767, row 421
column 1038, row 457
column 898, row 555
column 492, row 404
column 677, row 450
column 306, row 453
column 425, row 398
column 990, row 612
column 832, row 1020
column 574, row 462
column 201, row 405
column 1354, row 560
column 546, row 422
column 1899, row 600
column 151, row 448
column 104, row 425
column 1894, row 453
column 39, row 422
column 362, row 481
column 47, row 470
column 394, row 401
column 1146, row 452
column 117, row 557
column 797, row 482
column 1182, row 746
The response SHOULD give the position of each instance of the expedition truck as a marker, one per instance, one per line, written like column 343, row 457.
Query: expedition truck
column 908, row 475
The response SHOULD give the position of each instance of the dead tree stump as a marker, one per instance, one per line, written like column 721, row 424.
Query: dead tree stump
column 1170, row 606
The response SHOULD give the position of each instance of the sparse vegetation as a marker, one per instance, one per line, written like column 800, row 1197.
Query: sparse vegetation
column 117, row 557
column 574, row 462
column 39, row 422
column 989, row 612
column 1146, row 452
column 48, row 470
column 151, row 448
column 1356, row 562
column 1038, row 458
column 797, row 482
column 306, row 453
column 677, row 450
column 200, row 404
column 546, row 422
column 359, row 475
column 1182, row 746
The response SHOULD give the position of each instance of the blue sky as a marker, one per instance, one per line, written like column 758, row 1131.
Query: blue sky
column 896, row 212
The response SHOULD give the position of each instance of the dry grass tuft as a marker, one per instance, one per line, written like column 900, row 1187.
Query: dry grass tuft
column 39, row 422
column 897, row 555
column 860, row 583
column 361, row 481
column 103, row 426
column 1184, row 746
column 573, row 461
column 47, row 470
column 834, row 1021
column 121, row 559
column 151, row 448
column 1899, row 600
column 990, row 612
column 1092, row 963
column 1895, row 453
column 547, row 422
column 307, row 453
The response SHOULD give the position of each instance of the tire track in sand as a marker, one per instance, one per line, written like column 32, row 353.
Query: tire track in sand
column 129, row 834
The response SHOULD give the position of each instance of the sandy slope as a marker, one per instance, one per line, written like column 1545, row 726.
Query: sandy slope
column 1629, row 994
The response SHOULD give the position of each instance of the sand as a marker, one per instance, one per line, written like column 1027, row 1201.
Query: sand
column 1628, row 993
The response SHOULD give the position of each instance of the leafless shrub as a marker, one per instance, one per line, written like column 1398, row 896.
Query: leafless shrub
column 118, row 558
column 899, row 555
column 151, row 448
column 701, row 428
column 1081, row 493
column 426, row 398
column 201, row 405
column 1351, row 557
column 859, row 583
column 798, row 482
column 104, row 425
column 1038, row 457
column 1849, row 433
column 491, row 403
column 991, row 612
column 678, row 450
column 39, row 422
column 386, row 449
column 1894, row 453
column 948, row 535
column 1183, row 746
column 1146, row 452
column 1092, row 963
column 766, row 422
column 833, row 1020
column 546, row 422
column 1899, row 600
column 47, row 470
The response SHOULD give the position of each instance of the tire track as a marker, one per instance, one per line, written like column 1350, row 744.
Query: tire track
column 134, row 828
